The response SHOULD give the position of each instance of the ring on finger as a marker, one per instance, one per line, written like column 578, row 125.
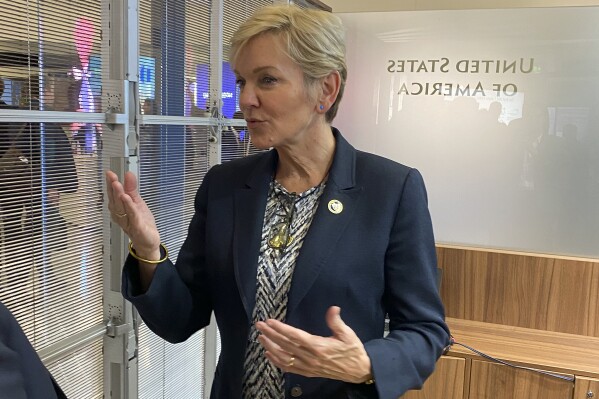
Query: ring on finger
column 291, row 360
column 120, row 215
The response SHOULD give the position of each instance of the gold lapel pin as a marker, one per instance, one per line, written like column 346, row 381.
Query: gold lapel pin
column 335, row 206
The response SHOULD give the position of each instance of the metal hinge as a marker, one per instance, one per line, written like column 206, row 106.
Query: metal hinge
column 115, row 328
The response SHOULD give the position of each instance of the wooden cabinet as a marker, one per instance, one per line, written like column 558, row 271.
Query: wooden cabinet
column 459, row 378
column 586, row 388
column 446, row 382
column 492, row 380
column 532, row 310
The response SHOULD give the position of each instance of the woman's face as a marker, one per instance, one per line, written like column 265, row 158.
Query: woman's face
column 273, row 97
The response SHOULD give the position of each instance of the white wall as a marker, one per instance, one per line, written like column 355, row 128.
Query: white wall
column 413, row 5
column 513, row 170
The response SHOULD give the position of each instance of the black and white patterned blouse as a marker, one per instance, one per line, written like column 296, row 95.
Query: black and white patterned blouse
column 262, row 380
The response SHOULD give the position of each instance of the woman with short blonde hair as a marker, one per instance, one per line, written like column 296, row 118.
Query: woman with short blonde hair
column 284, row 241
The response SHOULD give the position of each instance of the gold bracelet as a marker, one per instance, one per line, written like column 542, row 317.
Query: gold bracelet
column 369, row 382
column 152, row 262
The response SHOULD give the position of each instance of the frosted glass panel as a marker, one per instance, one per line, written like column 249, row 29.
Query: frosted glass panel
column 499, row 111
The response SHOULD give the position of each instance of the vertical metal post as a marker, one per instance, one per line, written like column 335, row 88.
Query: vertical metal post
column 214, row 158
column 216, row 81
column 120, row 51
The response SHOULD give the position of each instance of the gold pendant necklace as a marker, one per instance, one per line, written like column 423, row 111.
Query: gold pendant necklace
column 280, row 235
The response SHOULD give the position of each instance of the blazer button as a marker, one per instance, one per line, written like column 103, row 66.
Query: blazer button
column 296, row 391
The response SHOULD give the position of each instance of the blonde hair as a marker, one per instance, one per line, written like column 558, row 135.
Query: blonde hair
column 314, row 40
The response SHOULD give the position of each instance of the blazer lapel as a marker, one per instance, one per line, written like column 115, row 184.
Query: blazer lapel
column 250, row 204
column 327, row 227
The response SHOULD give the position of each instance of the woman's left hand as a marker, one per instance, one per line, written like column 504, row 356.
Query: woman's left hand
column 340, row 357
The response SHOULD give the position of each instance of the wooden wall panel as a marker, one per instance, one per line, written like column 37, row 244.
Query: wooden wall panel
column 524, row 290
column 446, row 382
column 586, row 388
column 491, row 380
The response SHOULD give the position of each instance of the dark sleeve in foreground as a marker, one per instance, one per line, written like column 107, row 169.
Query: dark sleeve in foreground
column 418, row 334
column 177, row 303
column 22, row 373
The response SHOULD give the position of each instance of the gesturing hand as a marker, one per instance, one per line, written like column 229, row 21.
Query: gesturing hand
column 130, row 212
column 341, row 356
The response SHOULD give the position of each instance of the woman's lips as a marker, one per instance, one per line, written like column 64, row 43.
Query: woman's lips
column 253, row 122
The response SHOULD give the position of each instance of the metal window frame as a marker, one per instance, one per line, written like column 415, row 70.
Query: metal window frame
column 121, row 19
column 120, row 50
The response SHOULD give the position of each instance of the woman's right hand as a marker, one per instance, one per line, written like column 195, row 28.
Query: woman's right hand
column 130, row 211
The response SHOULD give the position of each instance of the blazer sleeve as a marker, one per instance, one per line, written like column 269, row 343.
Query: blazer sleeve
column 12, row 382
column 22, row 373
column 177, row 302
column 418, row 334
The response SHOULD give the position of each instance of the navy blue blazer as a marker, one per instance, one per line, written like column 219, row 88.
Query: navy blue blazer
column 22, row 373
column 376, row 257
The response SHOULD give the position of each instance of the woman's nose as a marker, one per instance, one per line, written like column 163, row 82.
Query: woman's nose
column 247, row 98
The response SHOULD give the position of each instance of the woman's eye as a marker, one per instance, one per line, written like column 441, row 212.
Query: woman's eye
column 239, row 83
column 268, row 80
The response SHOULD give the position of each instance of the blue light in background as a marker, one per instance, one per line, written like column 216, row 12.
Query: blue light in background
column 95, row 75
column 229, row 90
column 7, row 95
column 147, row 77
column 202, row 85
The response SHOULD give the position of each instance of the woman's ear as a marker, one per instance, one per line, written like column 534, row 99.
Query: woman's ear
column 330, row 86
